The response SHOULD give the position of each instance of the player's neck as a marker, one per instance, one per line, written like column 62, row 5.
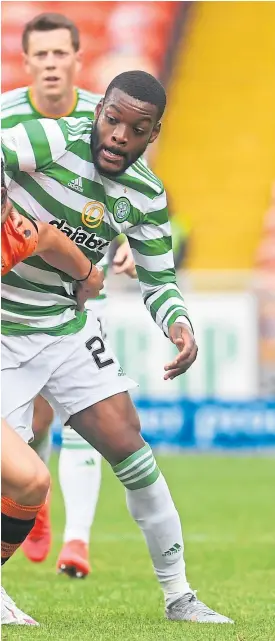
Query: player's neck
column 53, row 106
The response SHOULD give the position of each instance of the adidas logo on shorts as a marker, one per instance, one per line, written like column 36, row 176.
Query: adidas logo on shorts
column 76, row 184
column 121, row 372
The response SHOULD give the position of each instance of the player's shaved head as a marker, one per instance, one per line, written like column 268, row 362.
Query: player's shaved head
column 127, row 120
column 142, row 86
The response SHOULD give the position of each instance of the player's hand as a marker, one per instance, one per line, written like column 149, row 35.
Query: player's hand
column 123, row 262
column 89, row 288
column 15, row 217
column 10, row 212
column 181, row 335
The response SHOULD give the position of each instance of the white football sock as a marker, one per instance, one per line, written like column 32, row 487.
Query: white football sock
column 149, row 502
column 79, row 478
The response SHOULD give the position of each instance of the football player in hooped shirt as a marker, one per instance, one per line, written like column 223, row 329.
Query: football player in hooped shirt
column 52, row 57
column 83, row 379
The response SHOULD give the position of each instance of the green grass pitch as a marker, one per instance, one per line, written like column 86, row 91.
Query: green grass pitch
column 227, row 509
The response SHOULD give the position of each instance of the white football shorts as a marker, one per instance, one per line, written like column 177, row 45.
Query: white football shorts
column 99, row 307
column 72, row 372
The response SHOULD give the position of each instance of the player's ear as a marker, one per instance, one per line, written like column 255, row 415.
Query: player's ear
column 98, row 108
column 78, row 59
column 155, row 132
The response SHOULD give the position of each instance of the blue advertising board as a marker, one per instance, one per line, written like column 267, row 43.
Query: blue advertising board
column 205, row 424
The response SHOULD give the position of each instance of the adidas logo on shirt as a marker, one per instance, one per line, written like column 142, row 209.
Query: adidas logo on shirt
column 76, row 184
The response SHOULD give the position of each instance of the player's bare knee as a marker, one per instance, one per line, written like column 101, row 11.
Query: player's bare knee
column 35, row 484
column 129, row 439
column 111, row 426
column 43, row 481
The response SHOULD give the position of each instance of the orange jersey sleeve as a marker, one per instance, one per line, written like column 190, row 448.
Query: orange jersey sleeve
column 17, row 243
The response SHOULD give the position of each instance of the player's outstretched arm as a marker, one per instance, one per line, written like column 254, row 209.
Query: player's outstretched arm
column 60, row 252
column 151, row 244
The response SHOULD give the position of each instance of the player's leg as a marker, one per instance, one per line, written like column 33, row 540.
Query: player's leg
column 112, row 426
column 43, row 416
column 91, row 389
column 25, row 483
column 37, row 545
column 79, row 477
column 25, row 370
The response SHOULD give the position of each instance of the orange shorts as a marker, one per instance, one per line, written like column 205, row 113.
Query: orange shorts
column 17, row 243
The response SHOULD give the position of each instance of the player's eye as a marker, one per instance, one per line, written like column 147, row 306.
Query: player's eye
column 111, row 120
column 138, row 131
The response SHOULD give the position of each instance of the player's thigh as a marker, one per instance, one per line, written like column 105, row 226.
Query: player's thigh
column 43, row 416
column 24, row 477
column 112, row 426
column 88, row 374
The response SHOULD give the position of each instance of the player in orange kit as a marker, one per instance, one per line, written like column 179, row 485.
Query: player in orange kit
column 25, row 478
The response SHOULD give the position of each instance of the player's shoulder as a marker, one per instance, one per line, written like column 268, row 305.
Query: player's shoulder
column 15, row 97
column 16, row 107
column 143, row 180
column 64, row 133
column 87, row 101
column 73, row 127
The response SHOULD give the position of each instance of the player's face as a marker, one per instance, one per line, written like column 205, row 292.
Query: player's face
column 52, row 62
column 122, row 130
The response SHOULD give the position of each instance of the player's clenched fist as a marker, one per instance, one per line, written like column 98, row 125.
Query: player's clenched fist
column 181, row 335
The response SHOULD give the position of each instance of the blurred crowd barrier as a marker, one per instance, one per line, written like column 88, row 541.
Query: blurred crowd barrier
column 224, row 308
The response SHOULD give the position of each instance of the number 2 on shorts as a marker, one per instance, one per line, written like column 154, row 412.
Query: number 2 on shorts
column 96, row 351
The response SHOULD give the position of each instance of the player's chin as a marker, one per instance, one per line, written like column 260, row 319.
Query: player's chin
column 111, row 169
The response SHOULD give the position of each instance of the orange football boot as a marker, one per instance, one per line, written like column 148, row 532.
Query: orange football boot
column 73, row 559
column 37, row 545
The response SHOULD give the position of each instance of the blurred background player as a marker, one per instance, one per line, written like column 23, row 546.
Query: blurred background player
column 52, row 58
column 25, row 480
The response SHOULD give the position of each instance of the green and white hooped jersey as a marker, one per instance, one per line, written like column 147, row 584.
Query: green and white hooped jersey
column 53, row 179
column 18, row 107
